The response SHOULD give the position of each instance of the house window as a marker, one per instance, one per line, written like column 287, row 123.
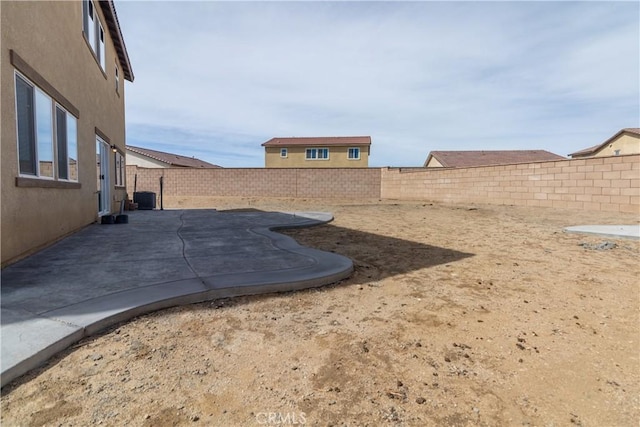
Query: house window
column 354, row 154
column 93, row 31
column 100, row 53
column 117, row 74
column 120, row 170
column 44, row 134
column 283, row 153
column 616, row 152
column 317, row 154
column 47, row 134
column 89, row 23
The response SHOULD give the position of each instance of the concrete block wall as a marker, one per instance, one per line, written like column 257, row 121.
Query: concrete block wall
column 597, row 184
column 258, row 182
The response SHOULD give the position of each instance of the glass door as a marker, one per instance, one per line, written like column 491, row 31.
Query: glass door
column 102, row 173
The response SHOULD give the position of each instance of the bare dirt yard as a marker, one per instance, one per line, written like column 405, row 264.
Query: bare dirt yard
column 455, row 315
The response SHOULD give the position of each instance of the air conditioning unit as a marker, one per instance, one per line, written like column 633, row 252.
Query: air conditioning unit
column 146, row 200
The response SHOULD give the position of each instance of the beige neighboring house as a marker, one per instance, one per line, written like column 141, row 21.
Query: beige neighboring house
column 627, row 141
column 63, row 67
column 467, row 159
column 146, row 158
column 318, row 152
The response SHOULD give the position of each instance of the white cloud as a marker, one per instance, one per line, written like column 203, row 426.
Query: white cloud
column 415, row 76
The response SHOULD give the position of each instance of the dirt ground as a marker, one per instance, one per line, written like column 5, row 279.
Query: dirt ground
column 455, row 315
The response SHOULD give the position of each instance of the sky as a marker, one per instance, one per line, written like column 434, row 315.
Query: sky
column 215, row 80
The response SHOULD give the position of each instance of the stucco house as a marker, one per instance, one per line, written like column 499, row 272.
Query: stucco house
column 146, row 158
column 318, row 152
column 626, row 141
column 63, row 124
column 467, row 159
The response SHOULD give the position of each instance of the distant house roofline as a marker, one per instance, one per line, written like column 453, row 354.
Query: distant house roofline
column 171, row 159
column 318, row 141
column 457, row 159
column 596, row 148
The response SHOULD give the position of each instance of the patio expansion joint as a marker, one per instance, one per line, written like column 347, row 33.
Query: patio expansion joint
column 184, row 248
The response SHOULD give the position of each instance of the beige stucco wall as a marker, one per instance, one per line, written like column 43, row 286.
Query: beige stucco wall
column 135, row 159
column 48, row 37
column 626, row 143
column 433, row 163
column 338, row 158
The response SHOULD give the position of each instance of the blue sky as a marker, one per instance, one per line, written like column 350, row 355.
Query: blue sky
column 215, row 80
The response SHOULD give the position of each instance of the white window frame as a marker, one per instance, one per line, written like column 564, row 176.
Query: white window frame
column 284, row 153
column 353, row 150
column 317, row 153
column 89, row 23
column 101, row 50
column 94, row 32
column 56, row 148
column 117, row 74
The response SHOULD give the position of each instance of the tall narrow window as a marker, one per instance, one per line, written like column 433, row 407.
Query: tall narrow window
column 100, row 52
column 120, row 170
column 89, row 23
column 117, row 74
column 61, row 142
column 283, row 153
column 93, row 31
column 72, row 146
column 44, row 135
column 25, row 112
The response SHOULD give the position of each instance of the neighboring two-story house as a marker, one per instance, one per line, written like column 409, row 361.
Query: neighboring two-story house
column 626, row 141
column 318, row 152
column 63, row 68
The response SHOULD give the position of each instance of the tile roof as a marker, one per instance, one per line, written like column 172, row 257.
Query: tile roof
column 109, row 11
column 464, row 159
column 319, row 141
column 591, row 150
column 172, row 159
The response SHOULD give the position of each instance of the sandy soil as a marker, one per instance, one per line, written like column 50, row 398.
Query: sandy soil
column 455, row 315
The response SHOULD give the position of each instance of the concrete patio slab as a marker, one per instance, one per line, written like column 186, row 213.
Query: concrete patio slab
column 613, row 231
column 107, row 274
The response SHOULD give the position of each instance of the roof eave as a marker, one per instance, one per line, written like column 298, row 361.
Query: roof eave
column 109, row 11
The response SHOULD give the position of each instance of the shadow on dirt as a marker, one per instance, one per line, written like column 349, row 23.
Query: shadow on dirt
column 375, row 256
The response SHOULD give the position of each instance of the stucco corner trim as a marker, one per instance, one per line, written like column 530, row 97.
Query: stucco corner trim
column 46, row 183
column 41, row 82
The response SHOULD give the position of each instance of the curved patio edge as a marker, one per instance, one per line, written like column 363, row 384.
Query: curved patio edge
column 35, row 338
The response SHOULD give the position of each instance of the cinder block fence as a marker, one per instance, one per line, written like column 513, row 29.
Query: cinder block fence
column 258, row 182
column 597, row 184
